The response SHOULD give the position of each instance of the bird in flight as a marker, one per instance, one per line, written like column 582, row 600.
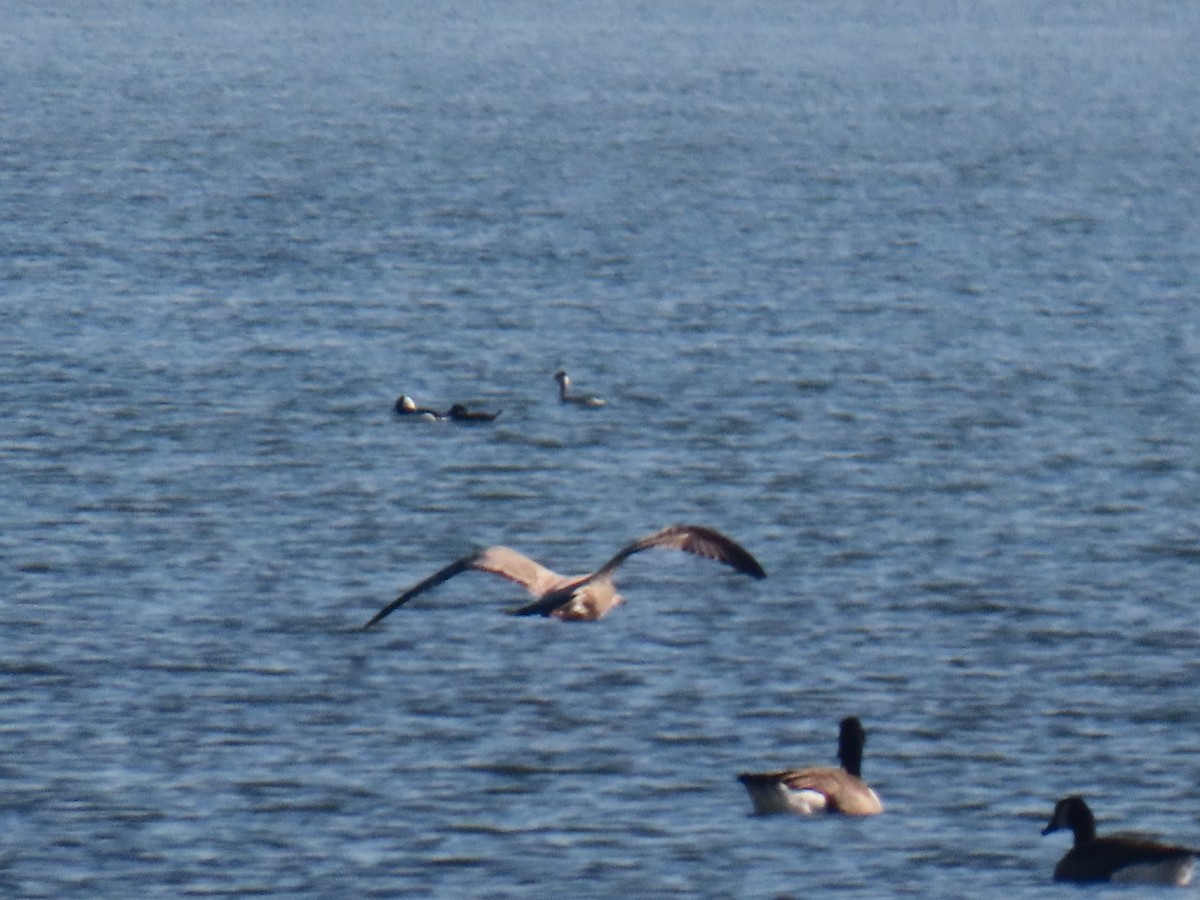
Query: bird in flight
column 583, row 597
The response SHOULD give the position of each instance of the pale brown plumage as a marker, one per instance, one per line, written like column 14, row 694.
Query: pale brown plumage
column 583, row 597
column 818, row 789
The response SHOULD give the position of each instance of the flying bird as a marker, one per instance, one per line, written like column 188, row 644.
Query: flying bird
column 583, row 597
column 818, row 789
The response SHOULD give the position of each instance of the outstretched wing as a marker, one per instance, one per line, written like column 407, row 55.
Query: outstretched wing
column 518, row 567
column 433, row 580
column 535, row 578
column 694, row 539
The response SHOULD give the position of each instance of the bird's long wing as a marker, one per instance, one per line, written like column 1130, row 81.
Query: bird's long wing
column 694, row 539
column 518, row 567
column 510, row 564
column 460, row 565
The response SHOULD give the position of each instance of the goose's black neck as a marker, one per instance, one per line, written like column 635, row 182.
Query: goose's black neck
column 851, row 739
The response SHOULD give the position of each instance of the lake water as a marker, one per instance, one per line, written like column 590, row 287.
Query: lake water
column 901, row 296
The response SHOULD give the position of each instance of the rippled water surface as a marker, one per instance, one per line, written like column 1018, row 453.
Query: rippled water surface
column 903, row 297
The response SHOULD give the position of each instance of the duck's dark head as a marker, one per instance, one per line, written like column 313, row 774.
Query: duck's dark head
column 1073, row 813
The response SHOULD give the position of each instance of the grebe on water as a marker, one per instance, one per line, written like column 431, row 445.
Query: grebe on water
column 578, row 399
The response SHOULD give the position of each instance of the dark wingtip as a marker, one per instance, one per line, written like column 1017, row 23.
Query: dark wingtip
column 743, row 560
column 731, row 552
column 459, row 565
column 382, row 613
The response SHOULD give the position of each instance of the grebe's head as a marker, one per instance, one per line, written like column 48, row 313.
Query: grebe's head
column 561, row 377
column 405, row 404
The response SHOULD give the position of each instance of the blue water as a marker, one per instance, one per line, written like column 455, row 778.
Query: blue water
column 901, row 296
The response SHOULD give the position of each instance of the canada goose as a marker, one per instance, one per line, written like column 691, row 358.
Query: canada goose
column 564, row 383
column 1119, row 858
column 406, row 407
column 818, row 788
column 459, row 413
column 583, row 597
